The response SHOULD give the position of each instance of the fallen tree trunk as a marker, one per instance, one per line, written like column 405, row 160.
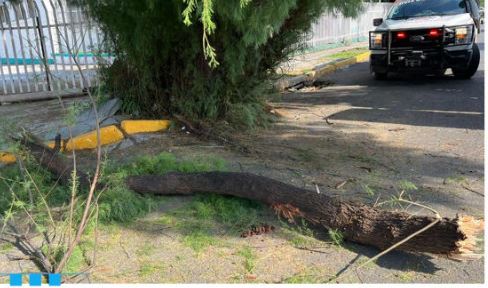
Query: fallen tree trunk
column 357, row 222
column 57, row 164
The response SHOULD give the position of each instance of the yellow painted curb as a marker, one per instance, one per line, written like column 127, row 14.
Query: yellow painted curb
column 7, row 158
column 345, row 62
column 364, row 57
column 144, row 126
column 328, row 69
column 109, row 135
column 51, row 145
column 324, row 71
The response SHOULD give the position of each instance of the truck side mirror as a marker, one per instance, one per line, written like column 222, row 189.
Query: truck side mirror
column 377, row 21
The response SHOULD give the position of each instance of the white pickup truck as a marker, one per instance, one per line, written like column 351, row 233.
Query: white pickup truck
column 427, row 36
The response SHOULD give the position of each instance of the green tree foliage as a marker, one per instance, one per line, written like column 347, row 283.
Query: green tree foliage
column 204, row 59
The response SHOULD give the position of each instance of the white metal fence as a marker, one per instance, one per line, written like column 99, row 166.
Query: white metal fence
column 333, row 28
column 42, row 41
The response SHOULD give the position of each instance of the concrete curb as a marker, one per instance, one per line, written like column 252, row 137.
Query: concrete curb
column 320, row 71
column 144, row 126
column 108, row 135
column 7, row 158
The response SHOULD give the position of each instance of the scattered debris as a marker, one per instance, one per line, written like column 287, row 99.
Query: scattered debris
column 321, row 83
column 366, row 168
column 317, row 188
column 396, row 129
column 258, row 230
column 296, row 87
column 288, row 211
column 327, row 121
column 251, row 277
column 84, row 121
column 341, row 184
column 472, row 190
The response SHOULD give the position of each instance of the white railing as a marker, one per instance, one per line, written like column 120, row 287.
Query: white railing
column 41, row 43
column 334, row 28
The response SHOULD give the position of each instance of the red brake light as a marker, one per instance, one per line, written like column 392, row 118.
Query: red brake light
column 401, row 35
column 434, row 33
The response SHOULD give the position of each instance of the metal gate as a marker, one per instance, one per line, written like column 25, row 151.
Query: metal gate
column 44, row 45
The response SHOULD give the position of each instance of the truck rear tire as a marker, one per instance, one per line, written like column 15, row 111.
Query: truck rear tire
column 473, row 65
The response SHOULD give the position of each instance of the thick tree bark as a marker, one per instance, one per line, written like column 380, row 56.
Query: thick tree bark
column 358, row 222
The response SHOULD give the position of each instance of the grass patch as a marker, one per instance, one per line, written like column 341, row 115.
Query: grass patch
column 120, row 204
column 407, row 186
column 406, row 277
column 75, row 263
column 307, row 155
column 208, row 215
column 456, row 179
column 148, row 269
column 116, row 204
column 249, row 258
column 348, row 53
column 309, row 276
column 145, row 250
column 6, row 247
column 299, row 235
column 370, row 191
column 234, row 214
column 199, row 240
column 336, row 236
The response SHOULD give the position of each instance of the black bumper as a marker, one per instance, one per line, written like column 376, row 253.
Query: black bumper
column 423, row 60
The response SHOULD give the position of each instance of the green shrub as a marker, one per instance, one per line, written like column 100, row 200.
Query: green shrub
column 162, row 52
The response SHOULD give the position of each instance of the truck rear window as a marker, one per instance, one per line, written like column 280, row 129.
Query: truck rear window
column 420, row 8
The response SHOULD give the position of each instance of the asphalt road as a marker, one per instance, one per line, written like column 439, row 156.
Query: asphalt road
column 439, row 120
column 440, row 116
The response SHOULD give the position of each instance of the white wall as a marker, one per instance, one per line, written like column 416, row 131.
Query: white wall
column 335, row 28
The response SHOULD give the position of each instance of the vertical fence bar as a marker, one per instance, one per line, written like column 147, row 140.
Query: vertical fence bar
column 92, row 48
column 30, row 9
column 51, row 42
column 4, row 80
column 65, row 39
column 83, row 46
column 43, row 51
column 38, row 42
column 58, row 31
column 7, row 53
column 14, row 50
column 21, row 41
column 76, row 47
